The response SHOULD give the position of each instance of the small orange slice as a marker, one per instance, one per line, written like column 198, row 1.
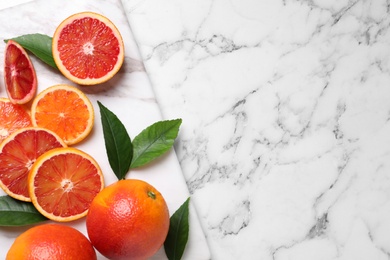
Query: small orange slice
column 18, row 152
column 63, row 182
column 65, row 110
column 19, row 74
column 88, row 48
column 12, row 118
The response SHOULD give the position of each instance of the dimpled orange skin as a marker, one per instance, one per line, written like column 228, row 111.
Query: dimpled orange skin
column 51, row 241
column 125, row 222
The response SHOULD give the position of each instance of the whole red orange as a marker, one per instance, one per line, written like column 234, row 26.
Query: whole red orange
column 128, row 219
column 51, row 241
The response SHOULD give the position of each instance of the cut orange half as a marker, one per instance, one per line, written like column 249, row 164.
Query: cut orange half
column 12, row 118
column 63, row 182
column 65, row 110
column 18, row 152
column 19, row 74
column 88, row 48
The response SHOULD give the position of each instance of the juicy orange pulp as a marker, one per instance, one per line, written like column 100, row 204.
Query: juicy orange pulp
column 63, row 182
column 96, row 57
column 65, row 110
column 88, row 48
column 19, row 74
column 12, row 118
column 18, row 152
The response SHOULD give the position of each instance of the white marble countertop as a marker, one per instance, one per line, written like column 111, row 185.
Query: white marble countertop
column 285, row 144
column 285, row 141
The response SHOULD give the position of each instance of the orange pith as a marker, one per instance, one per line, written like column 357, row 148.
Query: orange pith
column 51, row 241
column 19, row 74
column 128, row 219
column 18, row 152
column 63, row 182
column 12, row 118
column 65, row 110
column 88, row 48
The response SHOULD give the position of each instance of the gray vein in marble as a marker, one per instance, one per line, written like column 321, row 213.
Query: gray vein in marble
column 233, row 224
column 337, row 16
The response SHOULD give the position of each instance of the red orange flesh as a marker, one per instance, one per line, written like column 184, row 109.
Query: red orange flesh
column 19, row 74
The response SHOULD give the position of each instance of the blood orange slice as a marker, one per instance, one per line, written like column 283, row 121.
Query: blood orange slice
column 12, row 118
column 65, row 110
column 63, row 182
column 88, row 48
column 19, row 74
column 18, row 152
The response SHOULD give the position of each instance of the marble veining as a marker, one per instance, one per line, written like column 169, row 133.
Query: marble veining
column 285, row 144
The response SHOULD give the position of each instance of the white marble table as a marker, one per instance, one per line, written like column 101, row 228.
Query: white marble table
column 285, row 144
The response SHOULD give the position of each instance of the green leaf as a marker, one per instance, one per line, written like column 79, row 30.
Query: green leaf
column 118, row 143
column 177, row 237
column 18, row 213
column 39, row 45
column 154, row 141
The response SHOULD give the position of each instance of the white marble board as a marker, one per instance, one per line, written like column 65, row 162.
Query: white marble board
column 129, row 95
column 286, row 146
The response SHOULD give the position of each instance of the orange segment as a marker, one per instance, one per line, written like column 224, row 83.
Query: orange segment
column 18, row 152
column 65, row 110
column 63, row 182
column 12, row 118
column 19, row 74
column 88, row 48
